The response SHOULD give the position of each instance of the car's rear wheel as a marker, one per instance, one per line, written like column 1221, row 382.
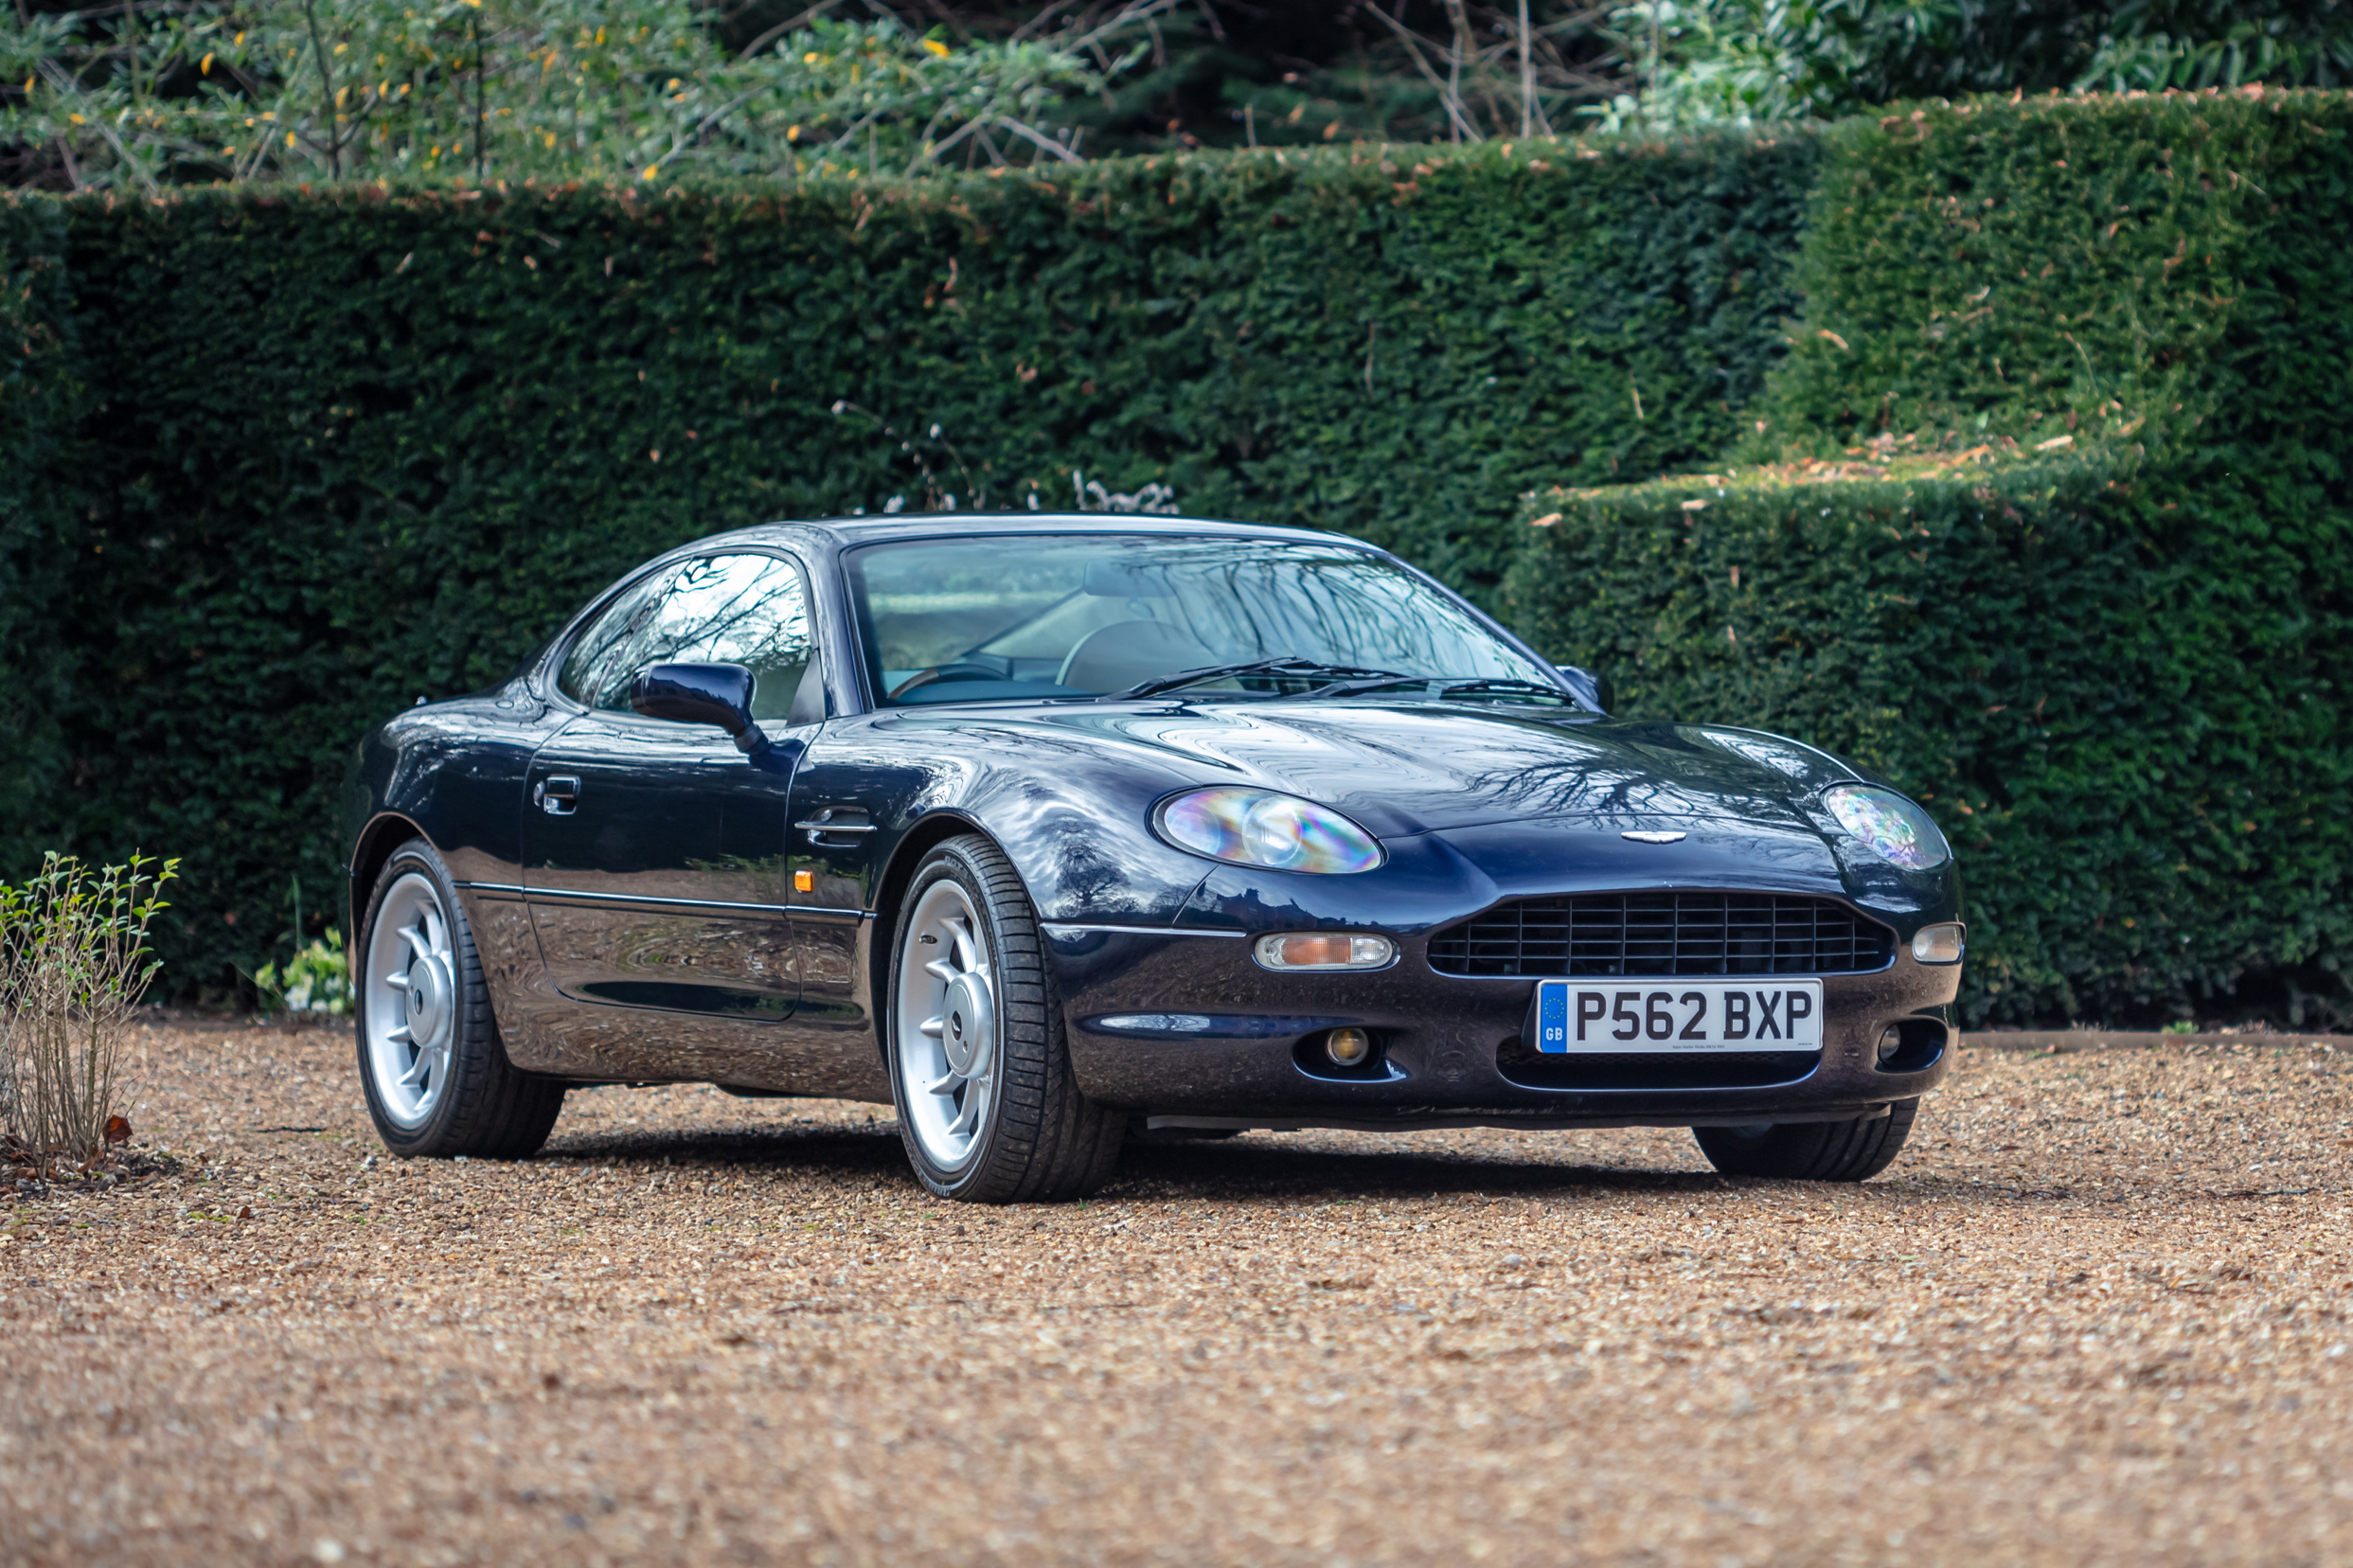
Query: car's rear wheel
column 438, row 1081
column 987, row 1106
column 1810, row 1152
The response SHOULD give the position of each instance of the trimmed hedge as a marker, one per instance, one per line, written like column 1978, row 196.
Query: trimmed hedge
column 2033, row 268
column 2099, row 696
column 2118, row 679
column 306, row 456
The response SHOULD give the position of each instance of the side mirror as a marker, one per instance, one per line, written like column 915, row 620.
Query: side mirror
column 1588, row 688
column 701, row 694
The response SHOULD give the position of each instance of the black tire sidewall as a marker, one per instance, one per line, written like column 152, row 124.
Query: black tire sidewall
column 427, row 1138
column 1813, row 1152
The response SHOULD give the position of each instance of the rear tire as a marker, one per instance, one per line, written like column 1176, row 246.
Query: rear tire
column 1810, row 1152
column 980, row 1069
column 437, row 1080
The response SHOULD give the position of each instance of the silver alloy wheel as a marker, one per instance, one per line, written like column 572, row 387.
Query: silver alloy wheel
column 411, row 981
column 946, row 1024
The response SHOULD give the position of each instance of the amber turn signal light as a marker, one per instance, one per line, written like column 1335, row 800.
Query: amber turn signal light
column 1325, row 950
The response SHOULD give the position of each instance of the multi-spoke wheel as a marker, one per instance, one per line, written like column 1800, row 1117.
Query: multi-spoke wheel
column 987, row 1103
column 412, row 1002
column 946, row 1019
column 436, row 1077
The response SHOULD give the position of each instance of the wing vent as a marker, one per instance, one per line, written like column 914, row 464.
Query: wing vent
column 1695, row 934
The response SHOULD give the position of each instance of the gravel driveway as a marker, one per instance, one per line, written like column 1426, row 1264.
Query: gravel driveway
column 2097, row 1314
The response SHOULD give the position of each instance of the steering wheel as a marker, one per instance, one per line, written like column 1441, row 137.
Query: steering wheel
column 943, row 672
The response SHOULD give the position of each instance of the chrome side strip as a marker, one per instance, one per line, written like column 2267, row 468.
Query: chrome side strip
column 568, row 894
column 1060, row 926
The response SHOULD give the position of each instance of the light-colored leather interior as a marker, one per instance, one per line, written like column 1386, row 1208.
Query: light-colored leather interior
column 1115, row 657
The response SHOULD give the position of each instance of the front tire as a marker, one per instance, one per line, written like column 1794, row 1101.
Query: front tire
column 987, row 1106
column 437, row 1080
column 1810, row 1152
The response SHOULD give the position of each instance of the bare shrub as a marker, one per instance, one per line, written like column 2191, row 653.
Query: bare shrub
column 74, row 964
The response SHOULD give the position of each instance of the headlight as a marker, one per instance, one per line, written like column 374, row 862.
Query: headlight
column 1260, row 827
column 1893, row 828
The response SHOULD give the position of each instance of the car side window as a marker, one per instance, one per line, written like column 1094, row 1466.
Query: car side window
column 751, row 610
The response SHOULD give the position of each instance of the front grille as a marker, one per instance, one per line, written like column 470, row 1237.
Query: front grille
column 1524, row 1066
column 1665, row 933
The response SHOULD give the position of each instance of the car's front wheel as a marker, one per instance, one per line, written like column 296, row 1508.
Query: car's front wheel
column 988, row 1107
column 1810, row 1152
column 438, row 1081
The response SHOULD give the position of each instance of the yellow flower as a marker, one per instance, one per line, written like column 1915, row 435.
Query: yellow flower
column 937, row 47
column 651, row 170
column 204, row 66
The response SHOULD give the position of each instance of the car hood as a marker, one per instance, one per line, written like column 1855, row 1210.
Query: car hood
column 1422, row 767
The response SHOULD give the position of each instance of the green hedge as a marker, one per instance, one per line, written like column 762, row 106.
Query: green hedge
column 2120, row 679
column 2121, row 714
column 2088, row 266
column 309, row 456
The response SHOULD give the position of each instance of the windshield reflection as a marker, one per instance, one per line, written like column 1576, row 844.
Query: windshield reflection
column 1017, row 616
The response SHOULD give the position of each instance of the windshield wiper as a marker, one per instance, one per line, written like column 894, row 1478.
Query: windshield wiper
column 1280, row 666
column 1446, row 686
column 1506, row 684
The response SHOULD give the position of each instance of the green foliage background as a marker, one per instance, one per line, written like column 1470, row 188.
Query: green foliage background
column 2119, row 679
column 297, row 459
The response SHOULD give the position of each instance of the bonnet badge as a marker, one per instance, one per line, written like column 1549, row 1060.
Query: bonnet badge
column 1654, row 838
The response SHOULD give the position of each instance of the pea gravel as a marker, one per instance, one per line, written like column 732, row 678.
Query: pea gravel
column 2098, row 1313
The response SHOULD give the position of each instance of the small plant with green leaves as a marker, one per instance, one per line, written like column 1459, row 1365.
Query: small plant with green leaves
column 74, row 964
column 316, row 980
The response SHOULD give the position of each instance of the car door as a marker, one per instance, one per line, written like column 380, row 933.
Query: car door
column 654, row 851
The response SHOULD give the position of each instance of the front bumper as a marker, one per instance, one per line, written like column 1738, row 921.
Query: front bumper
column 1184, row 1028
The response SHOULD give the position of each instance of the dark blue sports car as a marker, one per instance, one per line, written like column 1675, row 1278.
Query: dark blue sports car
column 1052, row 830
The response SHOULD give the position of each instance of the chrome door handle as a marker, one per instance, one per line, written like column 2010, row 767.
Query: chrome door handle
column 558, row 795
column 823, row 823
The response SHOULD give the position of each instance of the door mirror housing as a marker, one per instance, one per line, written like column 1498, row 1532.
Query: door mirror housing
column 701, row 694
column 1591, row 689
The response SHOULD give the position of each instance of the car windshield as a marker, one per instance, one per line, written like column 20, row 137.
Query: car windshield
column 1013, row 617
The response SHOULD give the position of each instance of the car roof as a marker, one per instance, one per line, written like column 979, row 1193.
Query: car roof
column 845, row 532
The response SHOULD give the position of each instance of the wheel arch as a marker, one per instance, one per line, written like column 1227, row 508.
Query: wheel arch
column 890, row 892
column 385, row 833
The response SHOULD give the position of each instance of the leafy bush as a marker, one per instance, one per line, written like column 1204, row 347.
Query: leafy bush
column 317, row 979
column 1769, row 61
column 320, row 455
column 74, row 964
column 516, row 89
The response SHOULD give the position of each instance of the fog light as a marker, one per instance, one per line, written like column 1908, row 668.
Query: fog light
column 1349, row 1047
column 1939, row 944
column 1325, row 950
column 1891, row 1046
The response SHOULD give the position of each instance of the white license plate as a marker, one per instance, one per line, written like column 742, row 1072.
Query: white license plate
column 1647, row 1013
